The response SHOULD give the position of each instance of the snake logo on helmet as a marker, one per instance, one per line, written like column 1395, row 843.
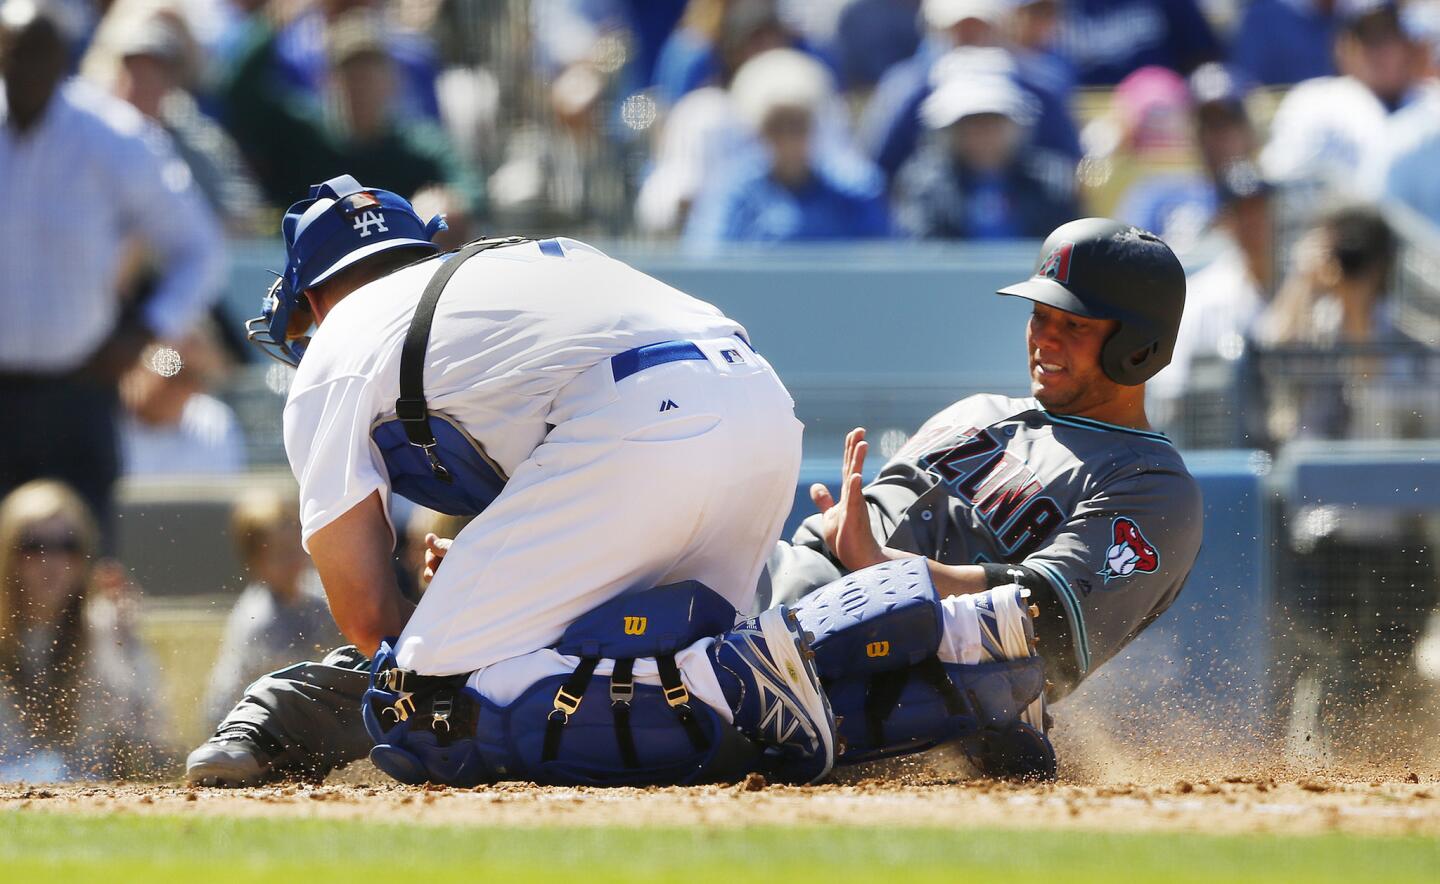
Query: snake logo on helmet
column 1105, row 269
column 338, row 225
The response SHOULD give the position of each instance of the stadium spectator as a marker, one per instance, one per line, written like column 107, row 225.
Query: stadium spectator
column 701, row 135
column 1149, row 114
column 75, row 681
column 1325, row 129
column 704, row 137
column 1347, row 370
column 84, row 178
column 1336, row 297
column 292, row 142
column 568, row 32
column 172, row 426
column 963, row 35
column 1403, row 168
column 712, row 41
column 1180, row 204
column 1033, row 30
column 1107, row 40
column 1225, row 298
column 1399, row 170
column 154, row 62
column 302, row 57
column 971, row 180
column 792, row 191
column 281, row 615
column 1305, row 50
column 873, row 35
column 1335, row 292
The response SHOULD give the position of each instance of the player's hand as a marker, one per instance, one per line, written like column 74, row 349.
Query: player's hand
column 846, row 525
column 435, row 549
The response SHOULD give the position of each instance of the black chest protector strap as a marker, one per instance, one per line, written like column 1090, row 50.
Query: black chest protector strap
column 410, row 408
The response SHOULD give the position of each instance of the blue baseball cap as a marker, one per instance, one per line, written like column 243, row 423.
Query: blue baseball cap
column 342, row 223
column 338, row 225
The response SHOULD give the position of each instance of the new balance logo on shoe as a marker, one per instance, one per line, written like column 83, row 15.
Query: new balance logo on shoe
column 668, row 405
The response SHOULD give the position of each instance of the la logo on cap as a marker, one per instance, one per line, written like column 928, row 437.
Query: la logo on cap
column 367, row 219
column 1057, row 264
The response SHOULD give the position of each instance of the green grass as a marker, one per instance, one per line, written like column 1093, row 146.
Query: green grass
column 53, row 848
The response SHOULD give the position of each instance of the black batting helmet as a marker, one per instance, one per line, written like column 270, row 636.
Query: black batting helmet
column 1104, row 269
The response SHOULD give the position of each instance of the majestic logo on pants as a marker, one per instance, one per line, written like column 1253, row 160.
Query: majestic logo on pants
column 367, row 219
column 877, row 649
column 636, row 625
column 1130, row 552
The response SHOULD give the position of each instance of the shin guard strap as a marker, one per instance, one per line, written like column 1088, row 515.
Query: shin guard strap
column 881, row 695
column 933, row 671
column 678, row 697
column 622, row 689
column 567, row 701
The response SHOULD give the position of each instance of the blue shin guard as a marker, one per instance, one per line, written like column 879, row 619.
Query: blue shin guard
column 877, row 633
column 579, row 729
column 423, row 726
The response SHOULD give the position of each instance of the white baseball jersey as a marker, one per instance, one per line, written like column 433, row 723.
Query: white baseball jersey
column 514, row 326
column 678, row 471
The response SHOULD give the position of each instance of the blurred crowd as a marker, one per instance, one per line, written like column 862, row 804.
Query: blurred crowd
column 1271, row 142
column 773, row 120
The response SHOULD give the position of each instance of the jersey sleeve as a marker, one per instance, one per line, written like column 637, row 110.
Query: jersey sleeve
column 327, row 440
column 1121, row 559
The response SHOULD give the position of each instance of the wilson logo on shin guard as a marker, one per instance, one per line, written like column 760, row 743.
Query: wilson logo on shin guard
column 877, row 649
column 636, row 625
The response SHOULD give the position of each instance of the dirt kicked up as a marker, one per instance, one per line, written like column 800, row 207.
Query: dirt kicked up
column 1310, row 804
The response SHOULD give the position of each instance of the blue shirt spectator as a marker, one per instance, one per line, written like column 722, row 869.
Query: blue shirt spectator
column 651, row 23
column 565, row 32
column 752, row 206
column 699, row 53
column 1177, row 206
column 799, row 187
column 872, row 36
column 1306, row 50
column 971, row 180
column 1107, row 39
column 1180, row 206
column 301, row 63
column 890, row 128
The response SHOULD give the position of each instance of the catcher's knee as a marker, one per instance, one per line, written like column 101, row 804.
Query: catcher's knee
column 878, row 638
column 583, row 728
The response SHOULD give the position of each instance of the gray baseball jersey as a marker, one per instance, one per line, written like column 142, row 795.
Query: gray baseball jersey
column 1108, row 515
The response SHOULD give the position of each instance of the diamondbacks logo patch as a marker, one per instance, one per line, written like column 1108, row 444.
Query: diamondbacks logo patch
column 1129, row 552
column 1057, row 263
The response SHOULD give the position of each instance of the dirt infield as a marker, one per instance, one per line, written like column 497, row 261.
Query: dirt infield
column 1232, row 805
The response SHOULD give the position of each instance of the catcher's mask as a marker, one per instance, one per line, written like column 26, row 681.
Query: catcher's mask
column 338, row 225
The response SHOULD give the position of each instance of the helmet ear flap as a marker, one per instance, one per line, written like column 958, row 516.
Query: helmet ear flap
column 1142, row 356
column 1125, row 360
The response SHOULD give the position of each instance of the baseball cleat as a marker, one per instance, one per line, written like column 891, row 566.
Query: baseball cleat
column 232, row 759
column 1007, row 632
column 781, row 704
